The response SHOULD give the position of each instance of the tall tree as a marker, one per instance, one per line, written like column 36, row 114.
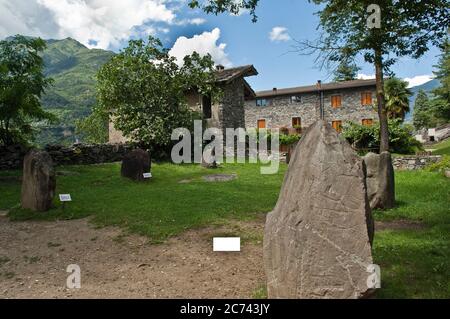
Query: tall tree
column 441, row 102
column 375, row 29
column 346, row 71
column 143, row 89
column 22, row 83
column 422, row 113
column 397, row 98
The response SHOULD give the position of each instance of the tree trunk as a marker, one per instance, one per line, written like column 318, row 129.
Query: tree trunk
column 384, row 131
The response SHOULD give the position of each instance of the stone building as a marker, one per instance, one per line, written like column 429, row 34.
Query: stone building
column 299, row 107
column 227, row 113
column 292, row 109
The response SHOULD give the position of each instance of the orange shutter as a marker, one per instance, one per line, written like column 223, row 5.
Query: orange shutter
column 337, row 125
column 296, row 122
column 367, row 122
column 336, row 101
column 366, row 98
column 261, row 123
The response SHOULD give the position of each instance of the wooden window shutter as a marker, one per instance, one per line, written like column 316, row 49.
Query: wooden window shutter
column 337, row 125
column 366, row 98
column 296, row 122
column 261, row 124
column 367, row 122
column 336, row 101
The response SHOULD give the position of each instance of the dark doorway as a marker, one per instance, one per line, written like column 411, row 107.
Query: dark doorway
column 206, row 105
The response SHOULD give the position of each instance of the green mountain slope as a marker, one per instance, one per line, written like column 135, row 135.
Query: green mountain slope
column 73, row 68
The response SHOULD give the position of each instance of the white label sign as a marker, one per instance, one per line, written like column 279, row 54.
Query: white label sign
column 227, row 244
column 65, row 198
column 147, row 175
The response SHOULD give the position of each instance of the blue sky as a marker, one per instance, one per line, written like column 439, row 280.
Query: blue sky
column 232, row 40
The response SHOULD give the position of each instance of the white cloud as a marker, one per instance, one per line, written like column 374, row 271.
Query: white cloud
column 362, row 76
column 25, row 17
column 95, row 23
column 107, row 22
column 204, row 43
column 418, row 80
column 414, row 81
column 279, row 34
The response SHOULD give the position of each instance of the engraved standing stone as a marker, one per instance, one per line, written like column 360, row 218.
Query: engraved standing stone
column 39, row 181
column 380, row 180
column 135, row 164
column 317, row 241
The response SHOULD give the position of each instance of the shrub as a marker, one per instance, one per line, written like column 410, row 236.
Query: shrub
column 401, row 138
column 441, row 166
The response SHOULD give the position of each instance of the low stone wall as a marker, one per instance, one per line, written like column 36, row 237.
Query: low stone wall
column 414, row 162
column 79, row 154
column 11, row 157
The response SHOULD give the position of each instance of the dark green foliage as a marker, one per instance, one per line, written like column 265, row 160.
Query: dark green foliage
column 435, row 110
column 346, row 71
column 422, row 117
column 221, row 6
column 143, row 89
column 22, row 83
column 401, row 138
column 397, row 98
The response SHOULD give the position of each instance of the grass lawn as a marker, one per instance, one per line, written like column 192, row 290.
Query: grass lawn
column 442, row 148
column 415, row 263
column 158, row 208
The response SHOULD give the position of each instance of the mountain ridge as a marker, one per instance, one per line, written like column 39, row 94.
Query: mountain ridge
column 73, row 67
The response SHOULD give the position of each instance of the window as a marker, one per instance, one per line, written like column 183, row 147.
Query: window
column 206, row 105
column 337, row 125
column 296, row 99
column 367, row 122
column 296, row 122
column 366, row 98
column 336, row 101
column 261, row 123
column 261, row 102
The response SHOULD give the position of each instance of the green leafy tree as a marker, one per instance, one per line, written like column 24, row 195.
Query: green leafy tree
column 397, row 98
column 346, row 71
column 407, row 28
column 94, row 128
column 143, row 91
column 441, row 103
column 422, row 112
column 22, row 83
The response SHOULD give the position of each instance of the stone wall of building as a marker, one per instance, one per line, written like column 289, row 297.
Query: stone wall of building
column 414, row 162
column 281, row 109
column 115, row 136
column 231, row 108
column 79, row 154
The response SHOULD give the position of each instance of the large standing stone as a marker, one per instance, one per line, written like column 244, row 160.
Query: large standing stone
column 317, row 241
column 380, row 180
column 39, row 181
column 135, row 164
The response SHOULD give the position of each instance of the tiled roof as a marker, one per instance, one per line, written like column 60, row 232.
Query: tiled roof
column 314, row 88
column 227, row 75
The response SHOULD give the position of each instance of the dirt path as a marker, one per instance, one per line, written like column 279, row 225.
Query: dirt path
column 34, row 257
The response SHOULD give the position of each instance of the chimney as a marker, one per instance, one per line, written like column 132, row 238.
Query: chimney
column 220, row 67
column 274, row 89
column 319, row 84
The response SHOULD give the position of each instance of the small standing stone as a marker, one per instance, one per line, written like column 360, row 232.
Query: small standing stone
column 135, row 164
column 39, row 181
column 380, row 180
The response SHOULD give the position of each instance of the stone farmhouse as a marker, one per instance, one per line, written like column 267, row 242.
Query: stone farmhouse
column 290, row 109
